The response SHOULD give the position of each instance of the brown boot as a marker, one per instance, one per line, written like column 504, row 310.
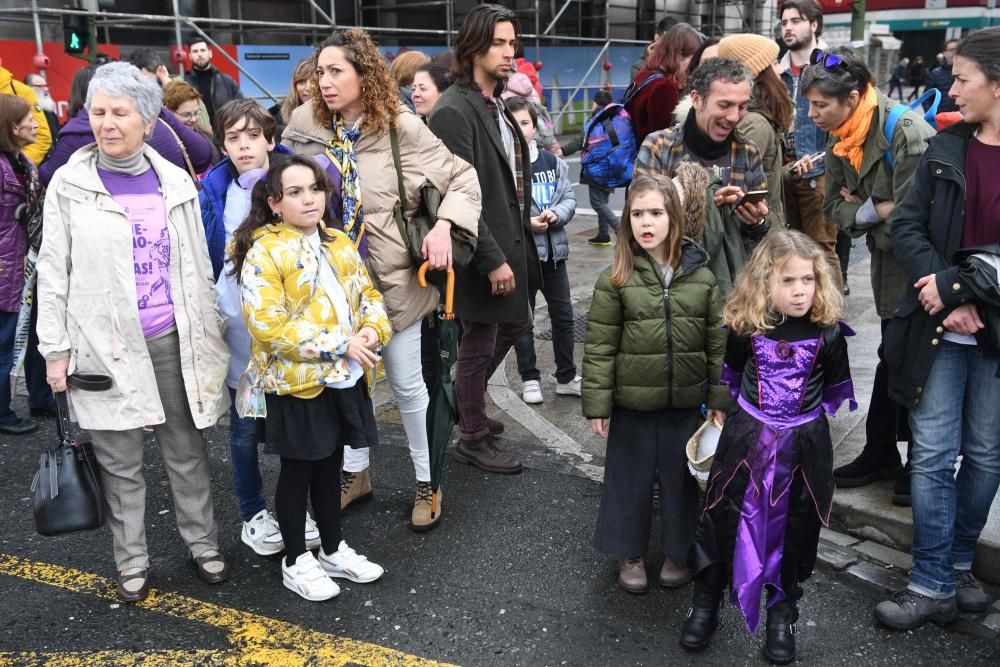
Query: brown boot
column 426, row 508
column 484, row 454
column 632, row 575
column 674, row 575
column 355, row 487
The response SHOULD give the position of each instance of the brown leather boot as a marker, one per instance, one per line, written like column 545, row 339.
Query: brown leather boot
column 485, row 455
column 632, row 575
column 674, row 575
column 426, row 508
column 355, row 487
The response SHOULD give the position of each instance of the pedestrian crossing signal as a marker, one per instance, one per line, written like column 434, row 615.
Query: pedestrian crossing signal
column 76, row 33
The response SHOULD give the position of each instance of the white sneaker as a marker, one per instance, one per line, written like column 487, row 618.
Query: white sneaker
column 262, row 534
column 346, row 563
column 308, row 579
column 531, row 392
column 571, row 388
column 312, row 534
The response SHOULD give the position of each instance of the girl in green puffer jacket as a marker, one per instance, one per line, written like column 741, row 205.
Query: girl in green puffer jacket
column 653, row 356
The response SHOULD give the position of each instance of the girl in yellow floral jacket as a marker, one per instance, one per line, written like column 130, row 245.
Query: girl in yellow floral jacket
column 317, row 324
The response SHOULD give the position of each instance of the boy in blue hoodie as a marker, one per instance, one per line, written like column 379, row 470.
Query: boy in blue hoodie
column 552, row 206
column 245, row 130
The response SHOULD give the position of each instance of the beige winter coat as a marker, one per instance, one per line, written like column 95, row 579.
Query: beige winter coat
column 424, row 159
column 87, row 299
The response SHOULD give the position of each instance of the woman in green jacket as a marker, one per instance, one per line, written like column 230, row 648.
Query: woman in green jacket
column 866, row 174
column 653, row 356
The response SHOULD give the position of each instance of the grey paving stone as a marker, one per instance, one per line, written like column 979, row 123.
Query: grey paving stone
column 884, row 554
column 879, row 576
column 840, row 539
column 992, row 622
column 837, row 557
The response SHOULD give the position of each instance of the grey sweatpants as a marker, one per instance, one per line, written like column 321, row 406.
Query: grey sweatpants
column 120, row 454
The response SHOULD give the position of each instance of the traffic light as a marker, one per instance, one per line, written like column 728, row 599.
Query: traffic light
column 76, row 33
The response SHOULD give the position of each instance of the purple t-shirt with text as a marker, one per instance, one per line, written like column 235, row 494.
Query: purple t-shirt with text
column 141, row 199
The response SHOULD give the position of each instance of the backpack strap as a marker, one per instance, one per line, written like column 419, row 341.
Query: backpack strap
column 609, row 128
column 634, row 90
column 891, row 121
column 896, row 113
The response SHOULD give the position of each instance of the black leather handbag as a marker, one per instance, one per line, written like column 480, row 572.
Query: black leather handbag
column 67, row 487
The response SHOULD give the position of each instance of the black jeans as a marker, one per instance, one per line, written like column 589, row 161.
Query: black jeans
column 887, row 422
column 555, row 289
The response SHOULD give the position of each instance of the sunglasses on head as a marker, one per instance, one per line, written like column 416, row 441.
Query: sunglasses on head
column 831, row 62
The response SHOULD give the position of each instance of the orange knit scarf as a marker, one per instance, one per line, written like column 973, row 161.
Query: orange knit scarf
column 854, row 132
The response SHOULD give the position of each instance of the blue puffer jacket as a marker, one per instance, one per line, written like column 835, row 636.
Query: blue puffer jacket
column 213, row 205
column 551, row 189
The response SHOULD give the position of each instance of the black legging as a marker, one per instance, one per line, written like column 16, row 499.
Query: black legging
column 319, row 479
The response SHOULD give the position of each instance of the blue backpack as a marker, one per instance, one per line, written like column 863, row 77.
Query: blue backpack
column 609, row 142
column 897, row 111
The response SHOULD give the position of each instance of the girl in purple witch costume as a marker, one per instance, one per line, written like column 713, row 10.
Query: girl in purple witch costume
column 771, row 484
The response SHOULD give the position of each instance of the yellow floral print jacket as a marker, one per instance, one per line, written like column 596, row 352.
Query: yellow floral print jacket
column 298, row 345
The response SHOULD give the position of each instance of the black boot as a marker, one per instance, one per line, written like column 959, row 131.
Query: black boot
column 703, row 616
column 779, row 648
column 874, row 463
column 901, row 491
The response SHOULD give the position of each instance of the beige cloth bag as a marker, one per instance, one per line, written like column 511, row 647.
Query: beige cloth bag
column 701, row 451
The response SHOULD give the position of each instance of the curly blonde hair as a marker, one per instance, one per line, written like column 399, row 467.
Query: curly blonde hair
column 748, row 311
column 379, row 92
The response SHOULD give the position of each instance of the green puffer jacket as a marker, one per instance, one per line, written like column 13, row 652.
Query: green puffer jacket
column 650, row 348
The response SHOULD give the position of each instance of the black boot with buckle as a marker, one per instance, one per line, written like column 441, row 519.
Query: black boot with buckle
column 703, row 616
column 779, row 647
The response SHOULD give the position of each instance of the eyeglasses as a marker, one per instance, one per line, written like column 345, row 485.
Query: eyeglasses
column 831, row 62
column 187, row 116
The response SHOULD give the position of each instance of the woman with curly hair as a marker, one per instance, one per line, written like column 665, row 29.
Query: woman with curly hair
column 349, row 127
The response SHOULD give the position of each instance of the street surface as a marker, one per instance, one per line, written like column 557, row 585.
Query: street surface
column 508, row 578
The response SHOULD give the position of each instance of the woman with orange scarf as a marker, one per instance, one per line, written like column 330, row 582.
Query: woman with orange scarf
column 862, row 189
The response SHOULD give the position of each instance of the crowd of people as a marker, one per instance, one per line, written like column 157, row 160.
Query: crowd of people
column 215, row 257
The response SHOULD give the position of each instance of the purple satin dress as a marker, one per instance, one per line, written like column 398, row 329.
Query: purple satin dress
column 778, row 431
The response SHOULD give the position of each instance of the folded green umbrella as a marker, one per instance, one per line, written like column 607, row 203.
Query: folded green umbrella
column 442, row 413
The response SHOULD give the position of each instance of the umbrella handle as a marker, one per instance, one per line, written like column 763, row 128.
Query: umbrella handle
column 449, row 292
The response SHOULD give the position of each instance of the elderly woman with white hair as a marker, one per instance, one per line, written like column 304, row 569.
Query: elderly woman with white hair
column 125, row 290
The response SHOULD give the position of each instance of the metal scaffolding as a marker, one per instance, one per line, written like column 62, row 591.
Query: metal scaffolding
column 603, row 23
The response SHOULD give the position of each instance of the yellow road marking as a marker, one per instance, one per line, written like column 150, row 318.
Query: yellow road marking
column 254, row 639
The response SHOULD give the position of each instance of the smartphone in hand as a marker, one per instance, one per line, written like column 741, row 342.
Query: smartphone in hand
column 754, row 197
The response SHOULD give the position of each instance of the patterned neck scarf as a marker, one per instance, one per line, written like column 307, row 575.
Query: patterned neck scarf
column 342, row 156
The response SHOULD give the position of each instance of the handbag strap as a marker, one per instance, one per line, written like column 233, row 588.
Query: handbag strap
column 180, row 144
column 400, row 188
column 62, row 408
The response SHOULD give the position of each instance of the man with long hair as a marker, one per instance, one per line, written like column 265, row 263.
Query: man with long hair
column 492, row 292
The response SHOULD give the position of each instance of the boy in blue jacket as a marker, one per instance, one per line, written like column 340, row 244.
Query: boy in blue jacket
column 553, row 204
column 245, row 130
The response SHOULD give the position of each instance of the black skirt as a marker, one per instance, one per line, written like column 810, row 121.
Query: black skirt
column 311, row 429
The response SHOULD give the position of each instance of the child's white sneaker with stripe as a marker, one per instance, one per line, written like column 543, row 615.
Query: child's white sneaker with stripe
column 308, row 579
column 346, row 563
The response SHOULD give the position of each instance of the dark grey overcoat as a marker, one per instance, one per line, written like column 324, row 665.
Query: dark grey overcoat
column 464, row 123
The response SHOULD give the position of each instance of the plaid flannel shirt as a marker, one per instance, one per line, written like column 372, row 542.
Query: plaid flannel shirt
column 664, row 150
column 494, row 104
